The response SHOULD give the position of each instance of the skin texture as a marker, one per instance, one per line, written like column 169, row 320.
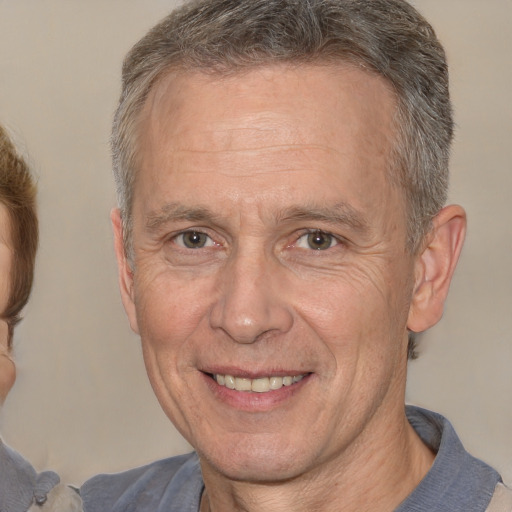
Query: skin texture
column 255, row 163
column 7, row 368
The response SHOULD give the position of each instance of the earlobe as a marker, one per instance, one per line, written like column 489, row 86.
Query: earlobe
column 125, row 271
column 434, row 268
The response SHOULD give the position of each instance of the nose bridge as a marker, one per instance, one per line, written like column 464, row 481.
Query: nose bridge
column 249, row 304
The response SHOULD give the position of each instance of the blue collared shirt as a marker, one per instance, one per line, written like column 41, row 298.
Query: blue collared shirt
column 456, row 482
column 20, row 484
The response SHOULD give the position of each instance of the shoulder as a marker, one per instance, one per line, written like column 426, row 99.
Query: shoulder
column 501, row 500
column 457, row 481
column 20, row 484
column 60, row 499
column 141, row 488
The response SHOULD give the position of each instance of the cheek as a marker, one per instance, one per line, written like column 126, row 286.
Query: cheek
column 7, row 367
column 168, row 314
column 170, row 310
column 349, row 306
column 360, row 316
column 7, row 376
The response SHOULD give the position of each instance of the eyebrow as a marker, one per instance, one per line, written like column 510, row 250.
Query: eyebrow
column 341, row 213
column 173, row 212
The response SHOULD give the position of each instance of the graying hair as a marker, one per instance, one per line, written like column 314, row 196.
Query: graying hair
column 387, row 37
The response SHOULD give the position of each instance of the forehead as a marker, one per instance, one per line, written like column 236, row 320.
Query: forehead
column 189, row 103
column 276, row 126
column 5, row 225
column 5, row 256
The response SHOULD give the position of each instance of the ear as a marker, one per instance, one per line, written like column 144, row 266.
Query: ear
column 125, row 271
column 434, row 267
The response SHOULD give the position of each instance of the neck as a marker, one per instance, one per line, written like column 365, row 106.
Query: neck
column 374, row 473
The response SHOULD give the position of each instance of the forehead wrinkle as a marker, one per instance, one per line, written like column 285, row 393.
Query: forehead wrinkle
column 291, row 158
column 253, row 148
column 257, row 149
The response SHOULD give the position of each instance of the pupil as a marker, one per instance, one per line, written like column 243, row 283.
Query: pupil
column 319, row 241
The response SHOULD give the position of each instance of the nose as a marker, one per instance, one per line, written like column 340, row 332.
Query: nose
column 251, row 303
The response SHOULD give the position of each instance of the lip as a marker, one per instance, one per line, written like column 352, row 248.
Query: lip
column 250, row 401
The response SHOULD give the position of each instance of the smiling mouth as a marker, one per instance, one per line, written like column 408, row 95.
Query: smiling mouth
column 259, row 385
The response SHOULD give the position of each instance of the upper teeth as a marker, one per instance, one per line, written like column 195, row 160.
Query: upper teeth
column 261, row 385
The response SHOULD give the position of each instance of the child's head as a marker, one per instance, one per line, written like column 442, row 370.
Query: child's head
column 18, row 245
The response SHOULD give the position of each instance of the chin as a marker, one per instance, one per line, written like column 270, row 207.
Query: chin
column 251, row 462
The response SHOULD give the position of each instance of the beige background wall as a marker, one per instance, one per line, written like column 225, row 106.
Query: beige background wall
column 81, row 403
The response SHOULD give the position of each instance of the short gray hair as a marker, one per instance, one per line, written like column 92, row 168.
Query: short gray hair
column 387, row 37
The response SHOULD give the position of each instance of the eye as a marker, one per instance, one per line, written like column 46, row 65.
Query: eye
column 193, row 240
column 317, row 240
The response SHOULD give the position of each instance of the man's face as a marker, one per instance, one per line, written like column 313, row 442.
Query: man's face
column 7, row 369
column 269, row 247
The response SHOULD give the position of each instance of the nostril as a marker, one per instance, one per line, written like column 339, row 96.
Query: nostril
column 248, row 308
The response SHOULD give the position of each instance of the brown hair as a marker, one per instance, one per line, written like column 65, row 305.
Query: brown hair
column 18, row 195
